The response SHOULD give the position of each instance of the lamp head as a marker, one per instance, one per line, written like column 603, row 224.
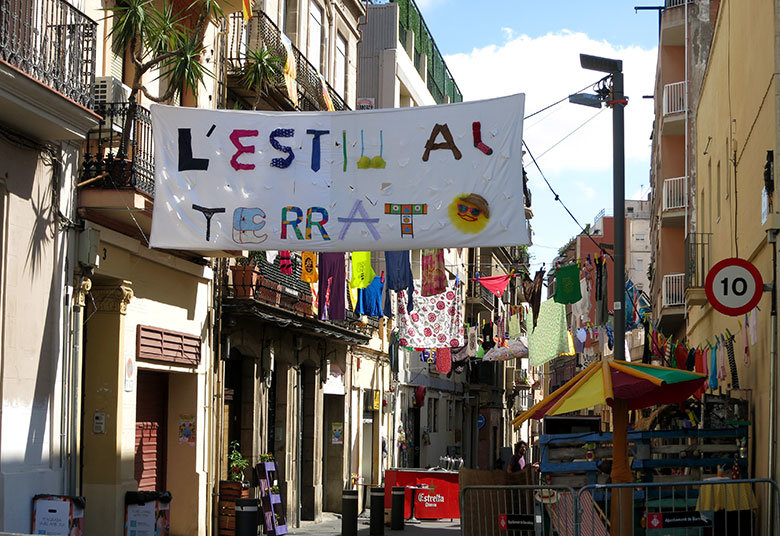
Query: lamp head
column 586, row 99
column 597, row 63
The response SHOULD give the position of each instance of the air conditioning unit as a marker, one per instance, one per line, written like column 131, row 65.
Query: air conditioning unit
column 110, row 89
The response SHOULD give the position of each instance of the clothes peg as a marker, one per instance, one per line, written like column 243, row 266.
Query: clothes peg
column 382, row 277
column 457, row 279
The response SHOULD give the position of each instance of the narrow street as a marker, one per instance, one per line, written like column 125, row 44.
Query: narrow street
column 331, row 526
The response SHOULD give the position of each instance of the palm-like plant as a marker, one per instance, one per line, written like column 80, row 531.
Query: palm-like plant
column 260, row 68
column 160, row 38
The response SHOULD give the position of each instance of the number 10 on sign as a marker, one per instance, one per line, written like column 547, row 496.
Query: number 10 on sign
column 734, row 286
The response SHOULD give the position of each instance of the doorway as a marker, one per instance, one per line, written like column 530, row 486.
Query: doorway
column 151, row 425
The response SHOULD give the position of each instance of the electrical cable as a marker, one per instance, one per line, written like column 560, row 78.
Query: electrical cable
column 558, row 198
column 557, row 143
column 594, row 84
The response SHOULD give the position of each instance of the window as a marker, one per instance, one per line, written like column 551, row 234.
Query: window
column 719, row 192
column 639, row 237
column 283, row 16
column 340, row 76
column 315, row 35
column 450, row 415
column 433, row 415
column 640, row 264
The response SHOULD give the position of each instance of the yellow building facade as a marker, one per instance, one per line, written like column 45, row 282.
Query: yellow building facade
column 736, row 126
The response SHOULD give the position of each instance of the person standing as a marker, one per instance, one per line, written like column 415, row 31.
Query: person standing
column 517, row 461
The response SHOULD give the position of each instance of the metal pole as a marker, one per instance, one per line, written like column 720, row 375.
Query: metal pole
column 619, row 211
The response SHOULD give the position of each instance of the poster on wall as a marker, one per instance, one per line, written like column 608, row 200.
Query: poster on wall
column 337, row 433
column 389, row 179
column 58, row 515
column 187, row 429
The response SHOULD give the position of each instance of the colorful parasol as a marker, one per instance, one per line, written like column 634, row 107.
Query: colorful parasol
column 622, row 386
column 602, row 382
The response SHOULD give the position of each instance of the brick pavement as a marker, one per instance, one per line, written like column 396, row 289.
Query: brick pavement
column 331, row 526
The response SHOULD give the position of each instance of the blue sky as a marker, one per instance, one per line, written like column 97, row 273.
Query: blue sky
column 498, row 47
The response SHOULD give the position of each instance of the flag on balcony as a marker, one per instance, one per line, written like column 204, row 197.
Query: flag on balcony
column 247, row 7
column 290, row 71
column 325, row 94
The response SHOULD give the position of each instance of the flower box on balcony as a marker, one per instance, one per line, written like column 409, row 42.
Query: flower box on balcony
column 246, row 280
column 269, row 292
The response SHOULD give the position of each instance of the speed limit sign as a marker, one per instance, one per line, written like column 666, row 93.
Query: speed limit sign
column 734, row 286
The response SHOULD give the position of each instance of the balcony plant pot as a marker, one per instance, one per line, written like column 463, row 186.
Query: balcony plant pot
column 246, row 279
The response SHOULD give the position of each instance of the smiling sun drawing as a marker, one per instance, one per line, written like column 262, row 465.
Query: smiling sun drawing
column 469, row 213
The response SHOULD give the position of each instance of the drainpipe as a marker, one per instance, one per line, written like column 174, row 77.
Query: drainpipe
column 76, row 417
column 687, row 113
column 299, row 465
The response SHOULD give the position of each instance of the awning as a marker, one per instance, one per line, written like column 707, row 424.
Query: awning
column 287, row 319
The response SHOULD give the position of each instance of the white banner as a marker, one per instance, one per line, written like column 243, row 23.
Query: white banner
column 394, row 179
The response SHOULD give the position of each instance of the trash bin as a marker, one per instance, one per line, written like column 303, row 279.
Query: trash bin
column 147, row 513
column 58, row 514
column 247, row 517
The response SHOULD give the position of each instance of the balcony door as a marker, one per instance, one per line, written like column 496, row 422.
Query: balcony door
column 315, row 36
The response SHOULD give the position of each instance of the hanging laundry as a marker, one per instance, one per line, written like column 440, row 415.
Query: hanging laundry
column 419, row 396
column 362, row 272
column 398, row 277
column 443, row 360
column 581, row 310
column 434, row 277
column 680, row 356
column 369, row 300
column 551, row 338
column 690, row 362
column 392, row 350
column 753, row 327
column 496, row 284
column 745, row 343
column 602, row 293
column 515, row 330
column 285, row 263
column 582, row 335
column 471, row 350
column 579, row 345
column 332, row 290
column 567, row 284
column 729, row 343
column 713, row 367
column 460, row 359
column 436, row 321
column 270, row 255
column 309, row 267
column 532, row 291
column 314, row 288
column 646, row 355
column 722, row 373
column 487, row 336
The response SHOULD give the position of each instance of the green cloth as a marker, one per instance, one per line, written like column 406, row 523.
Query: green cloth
column 362, row 273
column 551, row 338
column 669, row 376
column 567, row 284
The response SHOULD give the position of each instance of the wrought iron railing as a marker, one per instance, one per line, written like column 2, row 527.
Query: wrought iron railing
column 697, row 259
column 109, row 165
column 441, row 84
column 52, row 42
column 260, row 29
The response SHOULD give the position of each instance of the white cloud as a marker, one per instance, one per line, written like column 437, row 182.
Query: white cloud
column 509, row 33
column 589, row 192
column 546, row 69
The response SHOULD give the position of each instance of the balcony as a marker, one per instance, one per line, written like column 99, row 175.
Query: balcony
column 480, row 296
column 47, row 68
column 674, row 201
column 109, row 165
column 237, row 37
column 675, row 103
column 673, row 23
column 673, row 293
column 697, row 264
column 427, row 58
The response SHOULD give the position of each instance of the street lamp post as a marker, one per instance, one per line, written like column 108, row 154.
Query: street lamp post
column 622, row 498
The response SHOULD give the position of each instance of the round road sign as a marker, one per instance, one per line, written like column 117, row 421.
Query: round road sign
column 480, row 421
column 734, row 286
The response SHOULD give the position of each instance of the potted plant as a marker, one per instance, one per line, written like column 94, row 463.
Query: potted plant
column 235, row 487
column 246, row 275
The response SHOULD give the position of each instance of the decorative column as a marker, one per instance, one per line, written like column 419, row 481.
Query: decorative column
column 109, row 412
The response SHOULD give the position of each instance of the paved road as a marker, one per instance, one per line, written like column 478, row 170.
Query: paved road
column 331, row 526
